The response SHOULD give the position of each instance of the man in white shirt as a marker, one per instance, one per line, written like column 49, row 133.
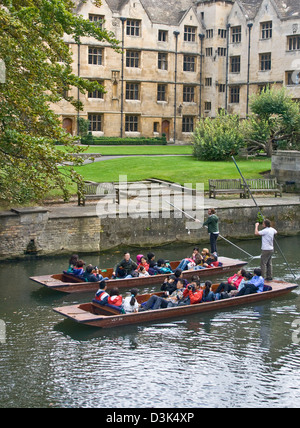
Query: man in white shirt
column 267, row 248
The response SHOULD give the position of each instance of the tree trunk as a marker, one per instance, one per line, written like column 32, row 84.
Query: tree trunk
column 269, row 147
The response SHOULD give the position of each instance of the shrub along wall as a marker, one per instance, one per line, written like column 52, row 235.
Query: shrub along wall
column 115, row 141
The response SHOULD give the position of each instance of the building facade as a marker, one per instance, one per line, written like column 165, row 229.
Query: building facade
column 181, row 60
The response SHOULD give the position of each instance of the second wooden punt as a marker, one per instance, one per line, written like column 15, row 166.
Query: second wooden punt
column 93, row 314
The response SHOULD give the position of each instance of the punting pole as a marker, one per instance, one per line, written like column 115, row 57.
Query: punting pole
column 225, row 239
column 259, row 210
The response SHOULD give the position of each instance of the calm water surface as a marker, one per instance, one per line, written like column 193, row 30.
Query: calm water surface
column 241, row 357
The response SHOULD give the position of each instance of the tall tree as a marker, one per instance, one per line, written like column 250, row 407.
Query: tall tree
column 38, row 72
column 275, row 122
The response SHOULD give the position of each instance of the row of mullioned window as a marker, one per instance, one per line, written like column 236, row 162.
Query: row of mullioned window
column 133, row 59
column 132, row 123
column 293, row 42
column 236, row 32
column 264, row 62
column 133, row 90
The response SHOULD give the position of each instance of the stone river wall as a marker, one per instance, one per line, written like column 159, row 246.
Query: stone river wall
column 42, row 232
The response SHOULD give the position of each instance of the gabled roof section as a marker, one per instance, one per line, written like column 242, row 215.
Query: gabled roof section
column 286, row 9
column 116, row 5
column 250, row 7
column 169, row 12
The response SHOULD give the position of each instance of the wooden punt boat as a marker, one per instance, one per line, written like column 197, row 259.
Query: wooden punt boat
column 93, row 314
column 70, row 284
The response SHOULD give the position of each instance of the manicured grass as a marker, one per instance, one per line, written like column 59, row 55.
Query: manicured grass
column 181, row 169
column 137, row 150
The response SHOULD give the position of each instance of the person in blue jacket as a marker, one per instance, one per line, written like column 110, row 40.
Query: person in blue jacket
column 254, row 285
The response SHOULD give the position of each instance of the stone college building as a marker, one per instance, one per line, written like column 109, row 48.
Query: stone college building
column 181, row 60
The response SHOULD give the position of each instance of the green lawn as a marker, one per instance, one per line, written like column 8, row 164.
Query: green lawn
column 183, row 169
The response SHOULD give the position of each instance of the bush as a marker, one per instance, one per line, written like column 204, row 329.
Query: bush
column 219, row 138
column 117, row 141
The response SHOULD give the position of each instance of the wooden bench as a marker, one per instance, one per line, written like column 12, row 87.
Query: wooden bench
column 227, row 186
column 264, row 185
column 93, row 190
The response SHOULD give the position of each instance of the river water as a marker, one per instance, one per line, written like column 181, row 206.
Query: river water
column 247, row 356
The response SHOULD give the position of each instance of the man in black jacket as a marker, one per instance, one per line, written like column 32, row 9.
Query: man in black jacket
column 126, row 267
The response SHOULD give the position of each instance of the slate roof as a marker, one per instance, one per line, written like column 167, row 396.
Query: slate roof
column 171, row 12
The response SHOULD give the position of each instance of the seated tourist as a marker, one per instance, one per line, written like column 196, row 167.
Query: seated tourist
column 92, row 274
column 153, row 269
column 130, row 303
column 157, row 302
column 114, row 298
column 125, row 268
column 244, row 281
column 232, row 283
column 190, row 262
column 205, row 255
column 142, row 272
column 138, row 258
column 254, row 285
column 205, row 260
column 208, row 294
column 163, row 266
column 72, row 263
column 179, row 275
column 78, row 269
column 101, row 295
column 193, row 292
column 169, row 285
column 212, row 261
column 143, row 263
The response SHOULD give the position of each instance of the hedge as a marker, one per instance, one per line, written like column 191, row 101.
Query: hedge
column 117, row 141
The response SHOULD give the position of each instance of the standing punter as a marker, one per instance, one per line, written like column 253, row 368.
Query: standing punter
column 267, row 248
column 212, row 224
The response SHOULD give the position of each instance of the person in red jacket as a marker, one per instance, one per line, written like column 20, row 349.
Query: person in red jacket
column 143, row 263
column 114, row 297
column 232, row 283
column 194, row 292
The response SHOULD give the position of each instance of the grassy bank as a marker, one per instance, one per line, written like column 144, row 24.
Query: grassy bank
column 183, row 169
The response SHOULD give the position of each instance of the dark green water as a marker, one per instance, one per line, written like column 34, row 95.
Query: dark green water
column 242, row 357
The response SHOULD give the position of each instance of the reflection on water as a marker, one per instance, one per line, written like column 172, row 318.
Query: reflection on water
column 242, row 357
